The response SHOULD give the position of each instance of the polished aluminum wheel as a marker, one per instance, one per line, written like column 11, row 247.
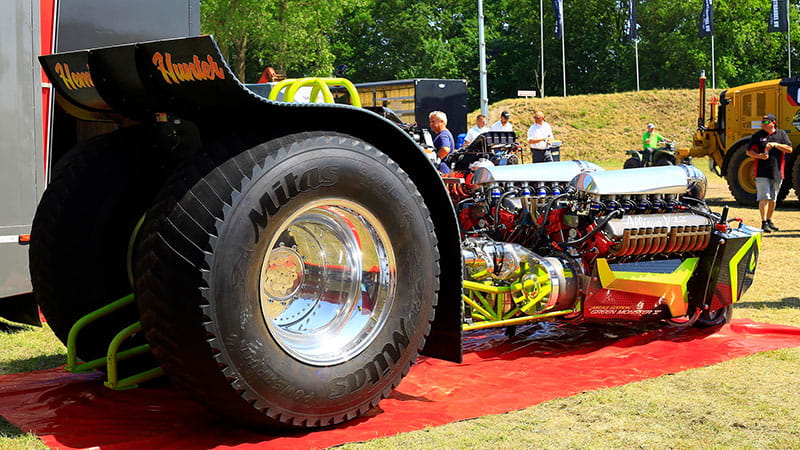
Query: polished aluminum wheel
column 327, row 282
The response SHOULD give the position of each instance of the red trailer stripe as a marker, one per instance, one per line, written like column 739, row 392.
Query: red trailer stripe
column 47, row 30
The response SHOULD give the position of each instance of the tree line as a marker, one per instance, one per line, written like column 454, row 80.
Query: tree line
column 393, row 39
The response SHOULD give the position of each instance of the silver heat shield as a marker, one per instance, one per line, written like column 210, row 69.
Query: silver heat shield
column 680, row 179
column 561, row 171
column 651, row 234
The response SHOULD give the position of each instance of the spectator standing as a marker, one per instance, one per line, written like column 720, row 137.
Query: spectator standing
column 504, row 123
column 479, row 128
column 768, row 148
column 443, row 143
column 540, row 135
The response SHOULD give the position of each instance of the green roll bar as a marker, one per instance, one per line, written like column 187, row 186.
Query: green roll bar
column 113, row 356
column 323, row 85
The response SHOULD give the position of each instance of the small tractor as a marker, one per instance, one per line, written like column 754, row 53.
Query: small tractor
column 734, row 116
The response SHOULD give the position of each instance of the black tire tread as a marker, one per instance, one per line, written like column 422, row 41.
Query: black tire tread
column 81, row 184
column 742, row 197
column 192, row 354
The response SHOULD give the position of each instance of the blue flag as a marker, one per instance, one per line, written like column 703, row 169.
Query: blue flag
column 777, row 17
column 558, row 9
column 707, row 19
column 631, row 31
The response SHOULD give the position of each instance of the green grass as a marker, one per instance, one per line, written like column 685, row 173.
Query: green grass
column 750, row 402
column 23, row 349
column 603, row 126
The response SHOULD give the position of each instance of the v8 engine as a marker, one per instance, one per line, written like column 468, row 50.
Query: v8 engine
column 570, row 240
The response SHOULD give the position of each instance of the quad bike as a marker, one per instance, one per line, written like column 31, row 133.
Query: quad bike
column 569, row 241
column 663, row 155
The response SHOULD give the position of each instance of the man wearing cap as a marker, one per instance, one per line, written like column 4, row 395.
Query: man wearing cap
column 540, row 135
column 768, row 148
column 503, row 124
column 650, row 140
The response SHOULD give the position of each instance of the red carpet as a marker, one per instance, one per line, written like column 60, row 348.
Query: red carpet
column 542, row 362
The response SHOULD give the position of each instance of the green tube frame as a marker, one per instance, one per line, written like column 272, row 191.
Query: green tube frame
column 113, row 355
column 292, row 85
column 487, row 303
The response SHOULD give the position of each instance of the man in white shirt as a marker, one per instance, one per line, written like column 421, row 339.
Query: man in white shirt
column 479, row 128
column 539, row 137
column 503, row 124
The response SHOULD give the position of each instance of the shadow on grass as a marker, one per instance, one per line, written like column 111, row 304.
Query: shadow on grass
column 719, row 201
column 36, row 363
column 8, row 430
column 787, row 205
column 11, row 328
column 785, row 303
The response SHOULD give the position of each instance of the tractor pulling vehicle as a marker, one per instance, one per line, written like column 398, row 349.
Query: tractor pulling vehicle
column 288, row 275
column 289, row 262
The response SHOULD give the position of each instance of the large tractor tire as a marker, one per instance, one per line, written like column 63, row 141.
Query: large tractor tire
column 81, row 233
column 288, row 283
column 788, row 176
column 739, row 175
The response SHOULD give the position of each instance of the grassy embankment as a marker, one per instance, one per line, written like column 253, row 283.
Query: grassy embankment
column 750, row 402
column 601, row 127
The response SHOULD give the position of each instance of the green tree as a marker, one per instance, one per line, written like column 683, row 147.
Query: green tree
column 290, row 35
column 394, row 39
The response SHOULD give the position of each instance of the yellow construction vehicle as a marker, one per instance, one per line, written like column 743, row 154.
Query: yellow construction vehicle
column 734, row 116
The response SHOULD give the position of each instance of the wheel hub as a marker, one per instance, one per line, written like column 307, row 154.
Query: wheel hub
column 284, row 273
column 327, row 281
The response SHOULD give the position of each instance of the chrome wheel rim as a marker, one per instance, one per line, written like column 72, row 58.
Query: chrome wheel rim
column 327, row 281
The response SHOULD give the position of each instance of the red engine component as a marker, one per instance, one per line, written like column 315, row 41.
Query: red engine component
column 596, row 246
column 555, row 228
column 479, row 216
column 458, row 185
column 472, row 217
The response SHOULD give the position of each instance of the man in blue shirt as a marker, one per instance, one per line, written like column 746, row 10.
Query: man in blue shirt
column 443, row 143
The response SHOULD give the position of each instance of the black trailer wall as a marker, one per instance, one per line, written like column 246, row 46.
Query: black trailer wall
column 85, row 24
column 82, row 24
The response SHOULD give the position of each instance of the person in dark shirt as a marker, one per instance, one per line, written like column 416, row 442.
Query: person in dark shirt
column 443, row 142
column 768, row 148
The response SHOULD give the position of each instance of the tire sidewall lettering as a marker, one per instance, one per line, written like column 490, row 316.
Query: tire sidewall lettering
column 276, row 189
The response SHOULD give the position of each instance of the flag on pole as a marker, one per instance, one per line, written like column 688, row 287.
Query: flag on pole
column 558, row 9
column 631, row 32
column 777, row 17
column 707, row 19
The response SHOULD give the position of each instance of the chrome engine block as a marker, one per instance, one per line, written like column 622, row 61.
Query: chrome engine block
column 648, row 211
